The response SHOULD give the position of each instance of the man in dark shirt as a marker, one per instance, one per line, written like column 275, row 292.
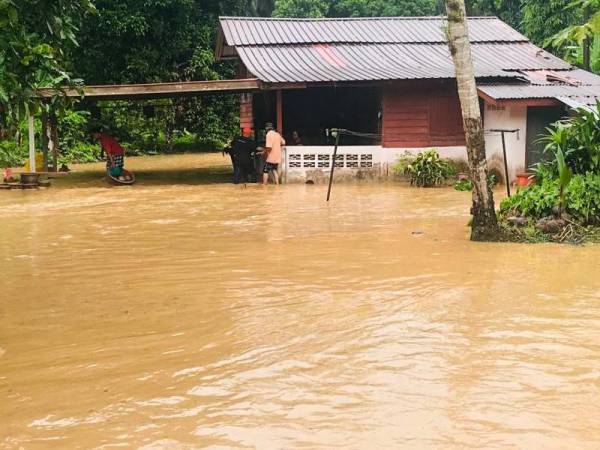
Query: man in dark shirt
column 242, row 150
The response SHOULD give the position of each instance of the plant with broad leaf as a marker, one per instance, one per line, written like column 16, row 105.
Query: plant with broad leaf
column 428, row 169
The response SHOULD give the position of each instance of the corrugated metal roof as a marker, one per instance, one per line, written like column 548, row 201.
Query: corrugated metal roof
column 243, row 31
column 355, row 62
column 579, row 89
column 370, row 49
column 525, row 91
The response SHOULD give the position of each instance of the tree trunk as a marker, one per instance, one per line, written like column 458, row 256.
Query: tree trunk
column 485, row 224
column 587, row 41
column 170, row 126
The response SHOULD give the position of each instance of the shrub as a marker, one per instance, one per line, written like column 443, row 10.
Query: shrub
column 428, row 169
column 535, row 201
column 467, row 185
column 80, row 152
column 402, row 163
column 582, row 199
column 578, row 138
column 11, row 155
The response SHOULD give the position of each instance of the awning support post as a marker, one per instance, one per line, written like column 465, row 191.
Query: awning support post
column 32, row 167
column 279, row 112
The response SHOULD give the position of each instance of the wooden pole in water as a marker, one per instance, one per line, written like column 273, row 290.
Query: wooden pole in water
column 506, row 179
column 335, row 149
column 32, row 167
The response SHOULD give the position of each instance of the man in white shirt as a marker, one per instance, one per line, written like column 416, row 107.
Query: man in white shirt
column 273, row 145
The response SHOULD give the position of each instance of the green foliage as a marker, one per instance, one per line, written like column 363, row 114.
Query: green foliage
column 80, row 152
column 578, row 140
column 355, row 8
column 428, row 169
column 507, row 10
column 534, row 201
column 12, row 155
column 463, row 185
column 402, row 163
column 133, row 41
column 570, row 179
column 570, row 39
column 581, row 199
column 565, row 174
column 542, row 18
column 467, row 185
column 35, row 37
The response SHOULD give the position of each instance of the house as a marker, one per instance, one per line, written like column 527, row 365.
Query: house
column 393, row 80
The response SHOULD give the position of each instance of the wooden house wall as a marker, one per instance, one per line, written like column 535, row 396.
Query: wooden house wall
column 421, row 115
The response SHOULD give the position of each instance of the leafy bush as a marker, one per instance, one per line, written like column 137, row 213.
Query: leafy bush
column 428, row 169
column 80, row 152
column 11, row 155
column 578, row 138
column 463, row 185
column 582, row 199
column 402, row 163
column 467, row 185
column 73, row 128
column 534, row 201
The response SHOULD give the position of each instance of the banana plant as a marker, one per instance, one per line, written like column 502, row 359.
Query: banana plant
column 565, row 174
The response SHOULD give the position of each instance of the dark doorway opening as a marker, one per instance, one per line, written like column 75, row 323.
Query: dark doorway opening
column 538, row 119
column 310, row 112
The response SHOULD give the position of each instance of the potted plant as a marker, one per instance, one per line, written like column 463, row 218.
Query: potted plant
column 525, row 179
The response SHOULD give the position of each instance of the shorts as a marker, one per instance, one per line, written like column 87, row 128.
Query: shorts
column 270, row 167
column 117, row 161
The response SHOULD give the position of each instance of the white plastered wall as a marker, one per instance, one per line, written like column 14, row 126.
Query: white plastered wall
column 508, row 117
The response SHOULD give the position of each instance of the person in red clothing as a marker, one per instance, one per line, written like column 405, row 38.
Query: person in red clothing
column 115, row 154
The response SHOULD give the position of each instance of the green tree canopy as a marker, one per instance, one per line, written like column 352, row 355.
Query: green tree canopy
column 35, row 37
column 355, row 8
column 507, row 10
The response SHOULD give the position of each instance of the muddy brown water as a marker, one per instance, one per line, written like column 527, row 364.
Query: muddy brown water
column 184, row 312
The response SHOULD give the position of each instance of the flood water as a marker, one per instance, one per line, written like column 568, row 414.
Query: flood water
column 185, row 312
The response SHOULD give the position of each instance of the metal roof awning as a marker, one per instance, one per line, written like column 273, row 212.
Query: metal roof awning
column 156, row 90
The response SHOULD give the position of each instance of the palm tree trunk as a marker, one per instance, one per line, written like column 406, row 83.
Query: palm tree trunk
column 485, row 224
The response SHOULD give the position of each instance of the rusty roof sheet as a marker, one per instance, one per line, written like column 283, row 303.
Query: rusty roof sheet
column 581, row 87
column 244, row 31
column 366, row 62
column 527, row 91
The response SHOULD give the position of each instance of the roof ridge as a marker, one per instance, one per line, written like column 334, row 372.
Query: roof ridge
column 346, row 19
column 375, row 43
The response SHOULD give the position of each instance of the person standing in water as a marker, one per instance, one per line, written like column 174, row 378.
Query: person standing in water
column 242, row 151
column 273, row 145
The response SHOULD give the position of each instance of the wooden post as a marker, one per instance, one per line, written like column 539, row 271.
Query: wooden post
column 45, row 139
column 54, row 140
column 279, row 112
column 32, row 167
